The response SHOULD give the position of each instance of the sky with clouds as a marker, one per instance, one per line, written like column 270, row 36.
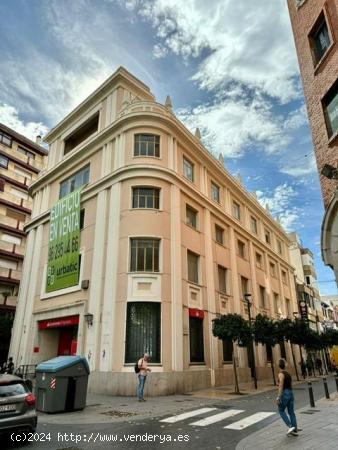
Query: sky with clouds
column 230, row 67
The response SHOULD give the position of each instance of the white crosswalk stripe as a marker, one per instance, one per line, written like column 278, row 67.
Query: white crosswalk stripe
column 187, row 415
column 217, row 417
column 248, row 421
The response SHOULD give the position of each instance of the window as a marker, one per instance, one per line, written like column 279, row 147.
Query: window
column 227, row 350
column 284, row 277
column 267, row 235
column 215, row 192
column 188, row 169
column 244, row 286
column 276, row 304
column 288, row 308
column 144, row 255
column 241, row 248
column 26, row 152
column 82, row 219
column 262, row 298
column 236, row 210
column 222, row 279
column 143, row 331
column 219, row 233
column 319, row 38
column 146, row 197
column 196, row 340
column 5, row 139
column 253, row 225
column 259, row 260
column 82, row 133
column 308, row 280
column 147, row 145
column 191, row 216
column 193, row 267
column 74, row 182
column 4, row 162
column 272, row 269
column 279, row 247
column 330, row 107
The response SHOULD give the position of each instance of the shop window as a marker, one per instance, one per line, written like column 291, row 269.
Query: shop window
column 188, row 169
column 144, row 255
column 147, row 145
column 83, row 132
column 74, row 182
column 196, row 340
column 146, row 197
column 227, row 350
column 143, row 331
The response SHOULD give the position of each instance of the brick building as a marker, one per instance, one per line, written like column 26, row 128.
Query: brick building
column 315, row 28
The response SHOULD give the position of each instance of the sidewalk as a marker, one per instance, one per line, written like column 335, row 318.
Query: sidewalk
column 320, row 430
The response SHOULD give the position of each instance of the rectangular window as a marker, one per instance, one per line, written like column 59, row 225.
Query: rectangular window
column 244, row 286
column 253, row 224
column 193, row 267
column 147, row 145
column 4, row 162
column 188, row 169
column 196, row 340
column 259, row 260
column 279, row 247
column 288, row 308
column 82, row 218
column 319, row 38
column 191, row 216
column 146, row 197
column 5, row 139
column 241, row 248
column 219, row 233
column 82, row 133
column 308, row 280
column 222, row 279
column 215, row 192
column 284, row 277
column 74, row 182
column 227, row 350
column 236, row 210
column 26, row 152
column 144, row 255
column 276, row 304
column 262, row 297
column 267, row 235
column 330, row 107
column 143, row 331
column 272, row 269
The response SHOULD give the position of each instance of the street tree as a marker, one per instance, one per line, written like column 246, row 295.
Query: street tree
column 265, row 332
column 236, row 329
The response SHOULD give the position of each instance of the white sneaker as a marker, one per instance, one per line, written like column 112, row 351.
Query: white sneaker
column 290, row 430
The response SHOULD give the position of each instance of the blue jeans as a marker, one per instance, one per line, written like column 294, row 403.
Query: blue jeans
column 140, row 387
column 287, row 401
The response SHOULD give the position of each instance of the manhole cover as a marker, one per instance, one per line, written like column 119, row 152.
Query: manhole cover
column 119, row 413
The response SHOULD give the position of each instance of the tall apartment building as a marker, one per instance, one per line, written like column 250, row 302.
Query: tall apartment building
column 306, row 280
column 168, row 240
column 20, row 162
column 315, row 28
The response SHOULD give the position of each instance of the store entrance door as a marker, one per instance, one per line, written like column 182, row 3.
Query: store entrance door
column 65, row 341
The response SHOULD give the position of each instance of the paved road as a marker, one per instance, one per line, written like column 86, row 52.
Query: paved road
column 220, row 425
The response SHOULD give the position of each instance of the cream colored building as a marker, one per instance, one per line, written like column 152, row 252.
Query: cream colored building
column 169, row 240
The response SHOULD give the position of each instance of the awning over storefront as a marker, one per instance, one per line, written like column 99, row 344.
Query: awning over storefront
column 59, row 322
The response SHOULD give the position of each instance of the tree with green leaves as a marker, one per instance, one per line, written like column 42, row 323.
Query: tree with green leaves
column 235, row 328
column 265, row 332
column 286, row 331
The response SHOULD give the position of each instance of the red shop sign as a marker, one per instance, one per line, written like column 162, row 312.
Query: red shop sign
column 59, row 322
column 193, row 312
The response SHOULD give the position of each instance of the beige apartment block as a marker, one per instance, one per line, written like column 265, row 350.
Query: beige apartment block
column 169, row 240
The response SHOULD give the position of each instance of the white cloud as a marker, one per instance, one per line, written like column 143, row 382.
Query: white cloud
column 159, row 51
column 298, row 164
column 279, row 202
column 9, row 116
column 247, row 42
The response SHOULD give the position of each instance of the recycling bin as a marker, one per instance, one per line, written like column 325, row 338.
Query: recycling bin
column 61, row 384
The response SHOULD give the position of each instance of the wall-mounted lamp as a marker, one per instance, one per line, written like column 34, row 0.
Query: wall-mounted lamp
column 329, row 172
column 88, row 317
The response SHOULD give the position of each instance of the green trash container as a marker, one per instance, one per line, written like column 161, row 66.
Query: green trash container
column 61, row 384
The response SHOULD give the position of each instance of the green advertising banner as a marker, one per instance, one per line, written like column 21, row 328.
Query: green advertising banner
column 64, row 243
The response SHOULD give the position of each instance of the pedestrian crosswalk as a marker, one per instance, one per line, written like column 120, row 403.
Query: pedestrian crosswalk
column 215, row 415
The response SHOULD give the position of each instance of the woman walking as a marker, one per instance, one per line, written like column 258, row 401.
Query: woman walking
column 285, row 400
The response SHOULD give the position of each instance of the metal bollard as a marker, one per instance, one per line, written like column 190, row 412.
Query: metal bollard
column 326, row 389
column 336, row 378
column 312, row 400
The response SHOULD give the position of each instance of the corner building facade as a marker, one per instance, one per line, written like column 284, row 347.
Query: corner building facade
column 169, row 240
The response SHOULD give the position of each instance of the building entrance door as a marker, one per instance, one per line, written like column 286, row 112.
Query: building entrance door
column 65, row 341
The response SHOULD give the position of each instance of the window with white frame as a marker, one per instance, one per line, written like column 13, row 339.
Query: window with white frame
column 147, row 145
column 146, row 197
column 144, row 255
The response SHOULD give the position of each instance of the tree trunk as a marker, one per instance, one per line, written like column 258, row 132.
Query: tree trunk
column 235, row 369
column 301, row 360
column 294, row 362
column 273, row 369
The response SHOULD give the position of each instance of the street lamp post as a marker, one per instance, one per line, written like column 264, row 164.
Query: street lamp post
column 253, row 368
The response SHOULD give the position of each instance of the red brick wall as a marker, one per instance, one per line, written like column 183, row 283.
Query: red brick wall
column 317, row 82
